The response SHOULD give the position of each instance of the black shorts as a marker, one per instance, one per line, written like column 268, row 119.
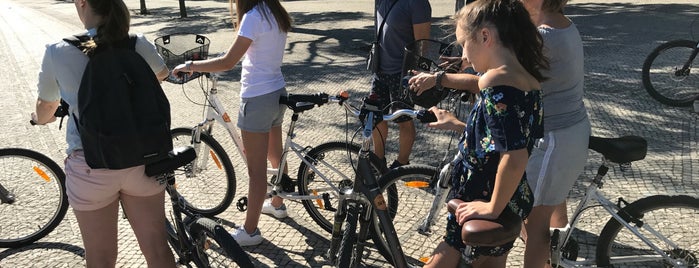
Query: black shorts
column 391, row 96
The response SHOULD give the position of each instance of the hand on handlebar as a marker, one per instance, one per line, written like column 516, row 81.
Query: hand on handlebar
column 182, row 71
column 446, row 120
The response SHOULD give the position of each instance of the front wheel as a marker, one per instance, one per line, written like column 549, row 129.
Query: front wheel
column 215, row 247
column 347, row 256
column 208, row 183
column 674, row 218
column 33, row 197
column 665, row 76
column 335, row 162
column 415, row 194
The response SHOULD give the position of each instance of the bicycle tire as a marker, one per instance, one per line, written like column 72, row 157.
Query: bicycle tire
column 414, row 199
column 666, row 87
column 675, row 217
column 343, row 157
column 38, row 184
column 210, row 189
column 205, row 232
column 347, row 255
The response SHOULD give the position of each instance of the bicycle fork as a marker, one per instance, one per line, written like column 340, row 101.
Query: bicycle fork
column 440, row 195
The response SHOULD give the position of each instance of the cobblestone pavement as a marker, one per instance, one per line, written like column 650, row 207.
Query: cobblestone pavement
column 326, row 52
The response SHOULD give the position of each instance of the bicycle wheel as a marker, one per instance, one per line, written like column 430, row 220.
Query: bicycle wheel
column 336, row 161
column 33, row 197
column 215, row 246
column 665, row 77
column 673, row 217
column 208, row 183
column 347, row 255
column 414, row 198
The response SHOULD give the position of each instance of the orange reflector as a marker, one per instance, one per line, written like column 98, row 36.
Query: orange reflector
column 207, row 244
column 213, row 156
column 318, row 201
column 424, row 259
column 417, row 184
column 42, row 174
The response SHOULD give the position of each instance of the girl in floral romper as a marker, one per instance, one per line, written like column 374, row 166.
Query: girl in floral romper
column 503, row 45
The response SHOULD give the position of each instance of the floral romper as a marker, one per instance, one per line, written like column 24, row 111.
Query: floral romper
column 503, row 119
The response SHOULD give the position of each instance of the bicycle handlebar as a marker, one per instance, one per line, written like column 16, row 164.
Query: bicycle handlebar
column 304, row 102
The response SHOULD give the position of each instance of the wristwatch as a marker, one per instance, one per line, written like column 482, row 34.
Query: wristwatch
column 188, row 65
column 438, row 80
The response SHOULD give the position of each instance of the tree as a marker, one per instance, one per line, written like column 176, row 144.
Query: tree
column 183, row 10
column 144, row 10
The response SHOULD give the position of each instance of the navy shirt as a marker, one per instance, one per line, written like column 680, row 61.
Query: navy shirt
column 398, row 30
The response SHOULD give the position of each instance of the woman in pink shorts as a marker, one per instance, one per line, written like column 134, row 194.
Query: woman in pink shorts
column 94, row 194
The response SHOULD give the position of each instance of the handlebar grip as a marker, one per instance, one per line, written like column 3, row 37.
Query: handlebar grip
column 426, row 116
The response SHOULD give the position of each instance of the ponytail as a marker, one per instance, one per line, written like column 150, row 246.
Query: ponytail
column 115, row 22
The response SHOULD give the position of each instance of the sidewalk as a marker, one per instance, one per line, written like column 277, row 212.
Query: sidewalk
column 326, row 52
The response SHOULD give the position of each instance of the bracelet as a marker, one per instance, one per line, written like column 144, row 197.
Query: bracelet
column 438, row 80
column 188, row 65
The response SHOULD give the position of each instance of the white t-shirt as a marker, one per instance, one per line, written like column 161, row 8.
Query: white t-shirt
column 62, row 69
column 261, row 68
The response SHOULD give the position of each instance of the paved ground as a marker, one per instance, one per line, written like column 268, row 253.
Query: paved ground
column 325, row 53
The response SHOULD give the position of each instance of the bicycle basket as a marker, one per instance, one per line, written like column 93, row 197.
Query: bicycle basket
column 178, row 48
column 426, row 55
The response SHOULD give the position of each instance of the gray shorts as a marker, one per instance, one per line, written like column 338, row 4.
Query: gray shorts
column 261, row 113
column 556, row 162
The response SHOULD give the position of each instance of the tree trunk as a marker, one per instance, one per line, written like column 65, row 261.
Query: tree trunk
column 183, row 10
column 144, row 10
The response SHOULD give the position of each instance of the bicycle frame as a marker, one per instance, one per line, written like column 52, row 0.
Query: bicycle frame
column 684, row 71
column 593, row 194
column 185, row 251
column 216, row 112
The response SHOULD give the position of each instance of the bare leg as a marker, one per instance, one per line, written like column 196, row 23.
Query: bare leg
column 256, row 155
column 379, row 137
column 538, row 238
column 559, row 218
column 274, row 155
column 444, row 256
column 406, row 139
column 147, row 219
column 99, row 232
column 488, row 261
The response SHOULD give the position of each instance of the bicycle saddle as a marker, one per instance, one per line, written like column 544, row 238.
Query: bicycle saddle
column 624, row 149
column 489, row 233
column 178, row 157
column 303, row 102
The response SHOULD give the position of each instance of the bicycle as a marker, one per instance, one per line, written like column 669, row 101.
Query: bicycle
column 33, row 198
column 194, row 238
column 321, row 173
column 667, row 75
column 618, row 238
column 363, row 200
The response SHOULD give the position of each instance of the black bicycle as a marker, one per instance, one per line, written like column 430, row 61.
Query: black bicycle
column 362, row 200
column 195, row 239
column 33, row 197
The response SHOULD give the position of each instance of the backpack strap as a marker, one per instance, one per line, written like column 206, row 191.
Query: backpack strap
column 77, row 40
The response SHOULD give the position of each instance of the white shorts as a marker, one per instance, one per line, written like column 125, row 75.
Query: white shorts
column 556, row 162
column 91, row 189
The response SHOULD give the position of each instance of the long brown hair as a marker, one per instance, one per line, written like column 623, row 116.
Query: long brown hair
column 280, row 15
column 514, row 27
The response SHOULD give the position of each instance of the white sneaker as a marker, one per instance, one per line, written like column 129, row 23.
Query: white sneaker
column 244, row 239
column 278, row 213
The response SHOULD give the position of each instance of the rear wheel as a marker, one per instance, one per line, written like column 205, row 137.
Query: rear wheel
column 672, row 217
column 208, row 183
column 337, row 162
column 33, row 197
column 665, row 77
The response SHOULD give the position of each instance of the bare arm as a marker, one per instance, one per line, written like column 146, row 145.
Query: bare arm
column 223, row 63
column 44, row 112
column 422, row 30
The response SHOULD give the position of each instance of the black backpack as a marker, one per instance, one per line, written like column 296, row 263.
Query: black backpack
column 124, row 113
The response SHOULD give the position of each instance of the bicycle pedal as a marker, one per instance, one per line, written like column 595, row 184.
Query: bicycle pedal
column 287, row 184
column 242, row 204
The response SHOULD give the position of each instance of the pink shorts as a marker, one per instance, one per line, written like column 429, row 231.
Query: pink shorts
column 91, row 189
